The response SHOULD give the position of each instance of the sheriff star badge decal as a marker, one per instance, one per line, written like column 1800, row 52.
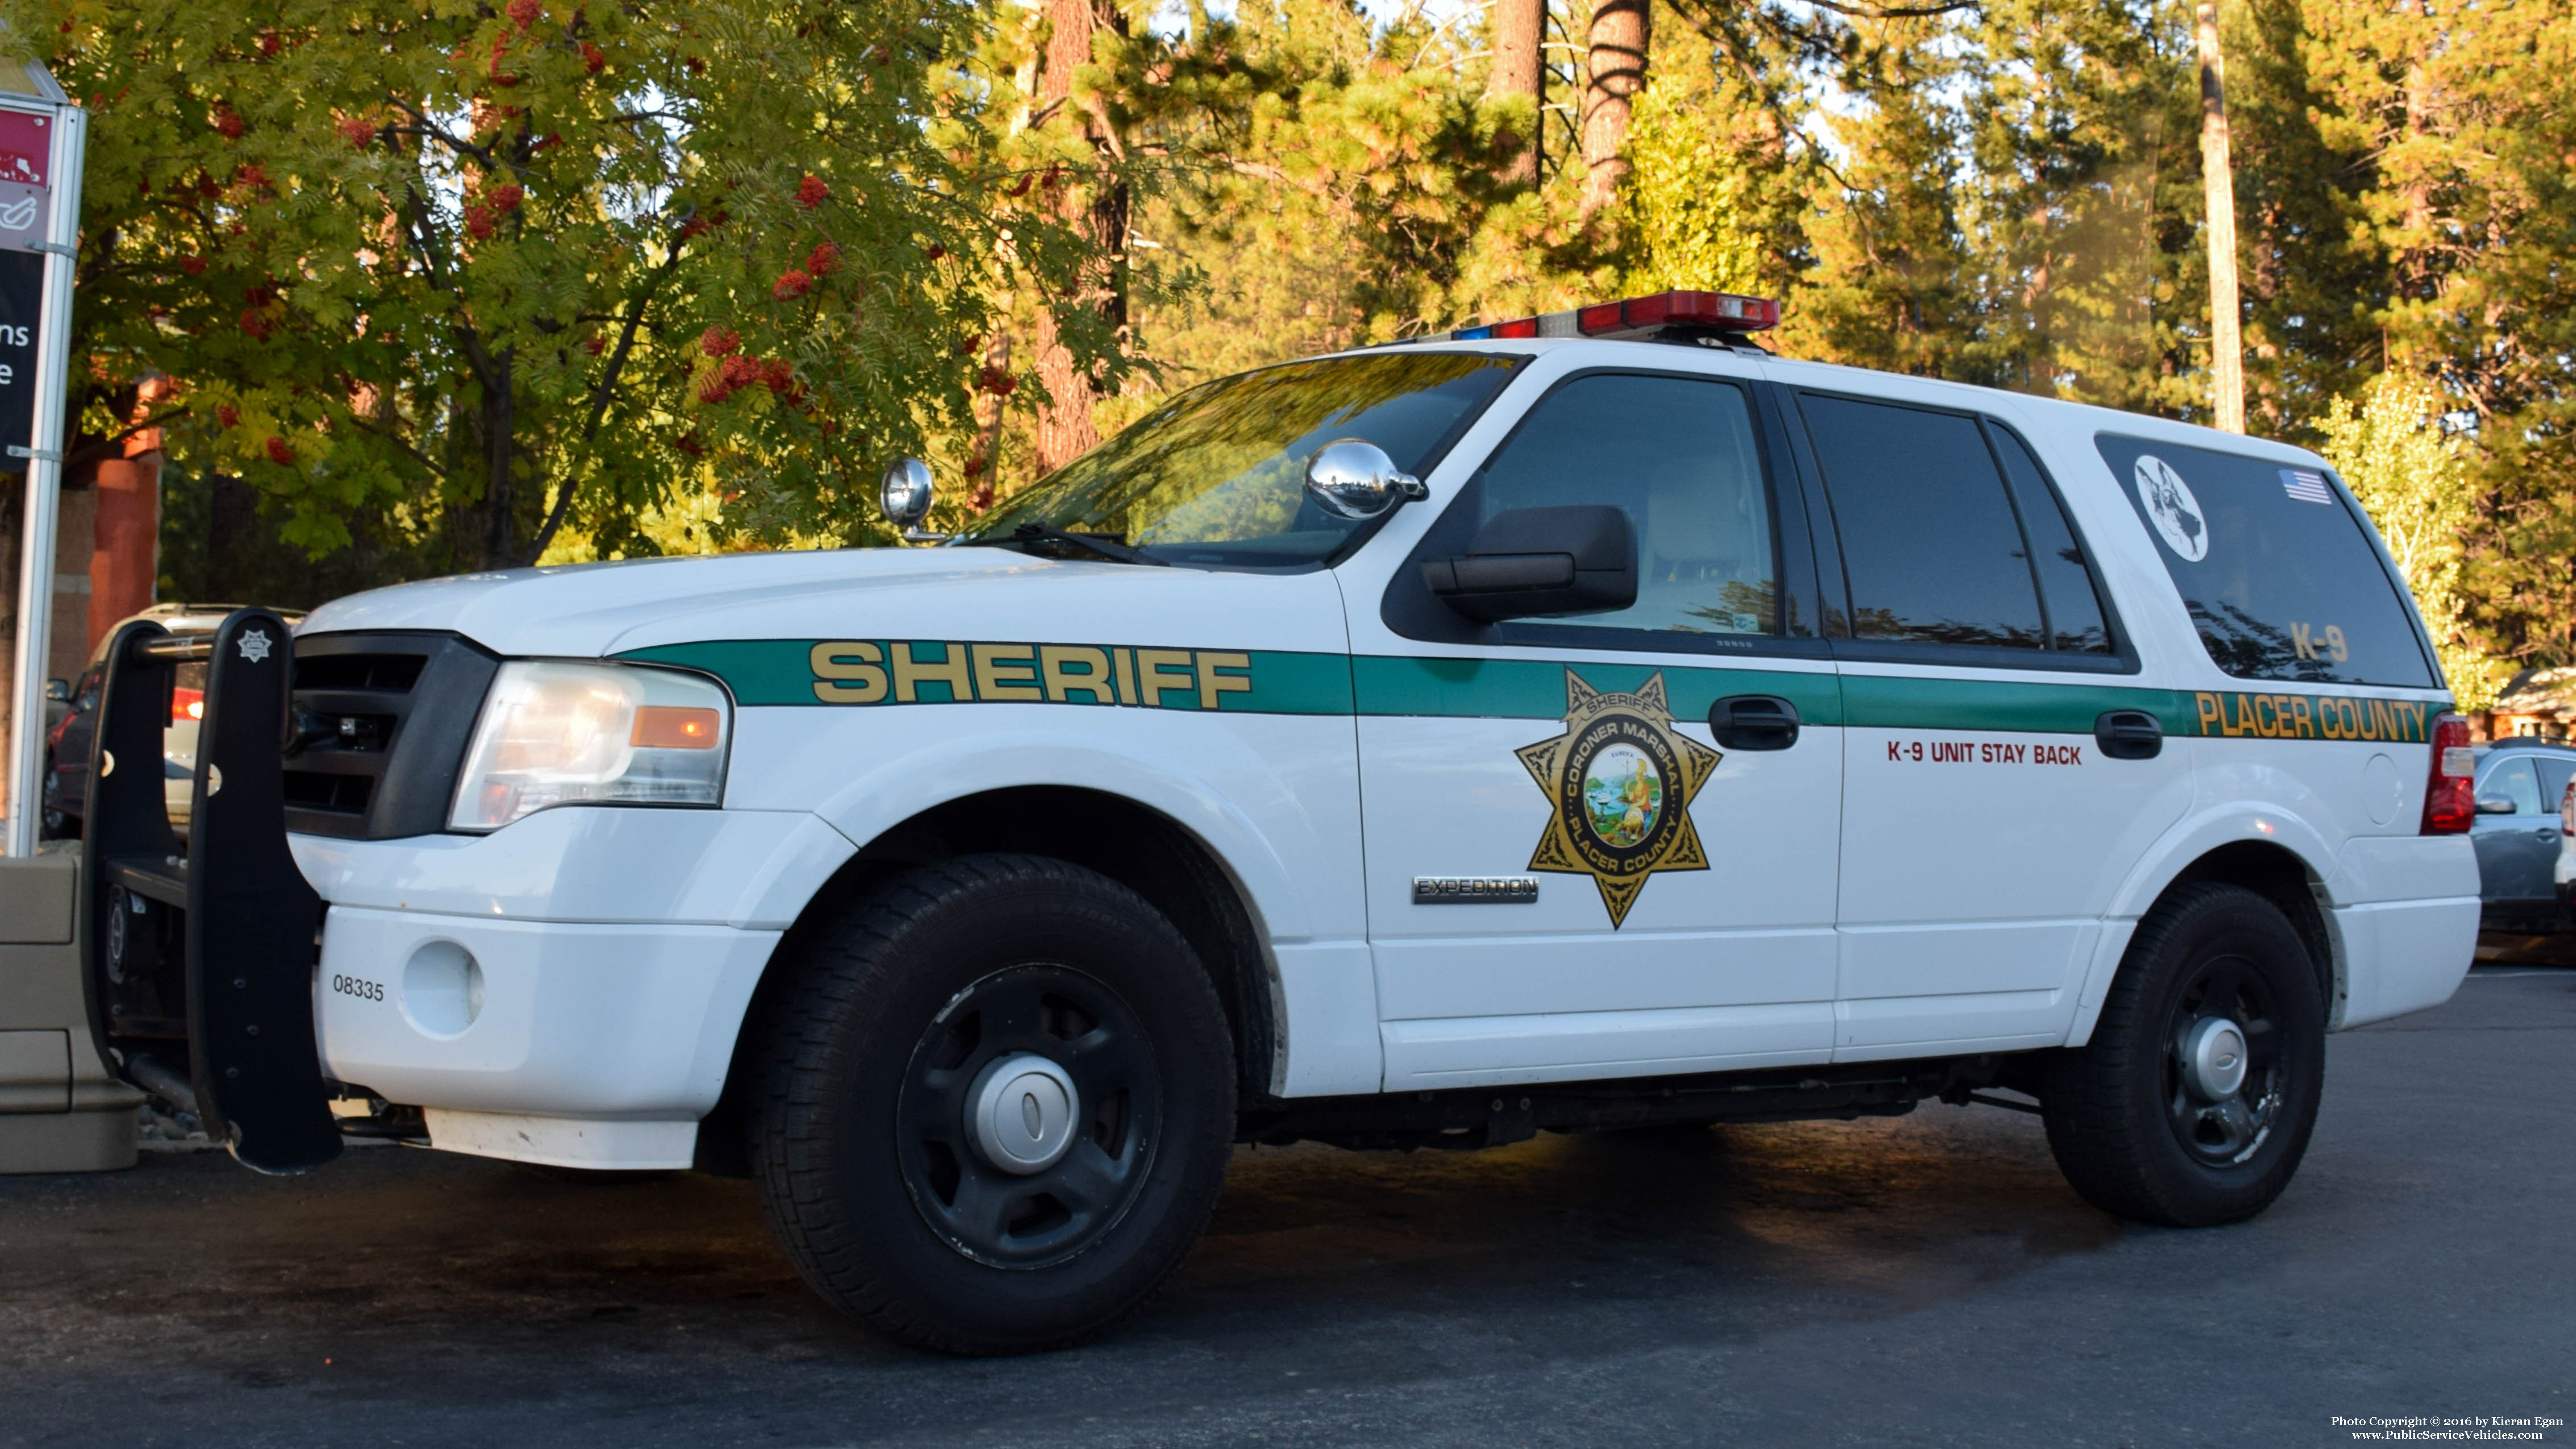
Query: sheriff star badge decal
column 1619, row 783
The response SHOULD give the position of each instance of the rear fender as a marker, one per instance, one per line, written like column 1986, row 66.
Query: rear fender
column 2190, row 840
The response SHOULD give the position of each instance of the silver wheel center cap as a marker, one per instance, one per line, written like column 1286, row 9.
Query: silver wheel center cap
column 2214, row 1056
column 1020, row 1113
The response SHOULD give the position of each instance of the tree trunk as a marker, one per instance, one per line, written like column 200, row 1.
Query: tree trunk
column 1519, row 27
column 984, row 461
column 1064, row 427
column 497, row 423
column 1617, row 70
column 2218, row 183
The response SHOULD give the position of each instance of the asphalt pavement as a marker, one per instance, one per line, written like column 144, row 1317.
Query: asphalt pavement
column 1928, row 1280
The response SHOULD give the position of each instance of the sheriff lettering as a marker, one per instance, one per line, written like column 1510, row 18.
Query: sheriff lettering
column 931, row 671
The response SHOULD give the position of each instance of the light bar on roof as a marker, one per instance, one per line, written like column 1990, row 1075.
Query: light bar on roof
column 1634, row 318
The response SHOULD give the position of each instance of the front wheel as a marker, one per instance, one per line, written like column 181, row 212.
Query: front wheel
column 996, row 1104
column 2193, row 1102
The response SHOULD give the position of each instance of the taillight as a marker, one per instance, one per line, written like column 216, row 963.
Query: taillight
column 2567, row 810
column 2450, row 799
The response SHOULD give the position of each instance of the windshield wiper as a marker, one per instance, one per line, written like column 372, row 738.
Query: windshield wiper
column 1106, row 546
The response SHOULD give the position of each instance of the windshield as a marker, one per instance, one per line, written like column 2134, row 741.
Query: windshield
column 1217, row 475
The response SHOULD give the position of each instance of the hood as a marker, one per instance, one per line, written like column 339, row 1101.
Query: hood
column 592, row 610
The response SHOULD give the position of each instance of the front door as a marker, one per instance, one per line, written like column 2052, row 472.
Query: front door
column 1569, row 874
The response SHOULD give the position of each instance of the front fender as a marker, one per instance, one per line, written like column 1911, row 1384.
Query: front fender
column 1271, row 796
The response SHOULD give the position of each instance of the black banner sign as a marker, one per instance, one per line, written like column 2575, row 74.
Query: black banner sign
column 22, row 294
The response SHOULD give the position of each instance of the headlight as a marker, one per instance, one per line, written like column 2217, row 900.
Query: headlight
column 569, row 734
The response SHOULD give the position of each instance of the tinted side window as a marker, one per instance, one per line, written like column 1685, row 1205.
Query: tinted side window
column 2066, row 588
column 2277, row 569
column 2553, row 781
column 1678, row 455
column 2514, row 780
column 1930, row 546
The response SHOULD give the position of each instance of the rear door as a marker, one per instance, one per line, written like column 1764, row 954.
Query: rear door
column 1984, row 830
column 1569, row 876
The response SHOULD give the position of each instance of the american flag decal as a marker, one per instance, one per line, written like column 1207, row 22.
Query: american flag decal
column 2306, row 485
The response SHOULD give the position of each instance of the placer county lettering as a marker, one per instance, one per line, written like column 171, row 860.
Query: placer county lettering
column 2313, row 717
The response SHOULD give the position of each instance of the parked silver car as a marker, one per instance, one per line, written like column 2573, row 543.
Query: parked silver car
column 2520, row 785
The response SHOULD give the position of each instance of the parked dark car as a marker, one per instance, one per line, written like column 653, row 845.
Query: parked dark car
column 68, row 740
column 2520, row 784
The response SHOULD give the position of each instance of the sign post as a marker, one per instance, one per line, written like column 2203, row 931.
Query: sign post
column 41, row 141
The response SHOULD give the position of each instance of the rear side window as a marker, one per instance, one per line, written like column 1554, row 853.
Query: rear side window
column 1931, row 549
column 2553, row 781
column 2276, row 567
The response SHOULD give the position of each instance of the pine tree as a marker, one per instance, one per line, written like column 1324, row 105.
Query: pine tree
column 1890, row 289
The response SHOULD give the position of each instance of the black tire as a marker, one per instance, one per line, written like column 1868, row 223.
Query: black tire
column 2127, row 1119
column 895, row 1006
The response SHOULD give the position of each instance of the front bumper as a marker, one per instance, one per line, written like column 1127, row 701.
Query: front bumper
column 568, row 989
column 632, row 1022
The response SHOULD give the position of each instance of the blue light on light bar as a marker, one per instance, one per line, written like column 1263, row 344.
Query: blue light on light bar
column 1471, row 334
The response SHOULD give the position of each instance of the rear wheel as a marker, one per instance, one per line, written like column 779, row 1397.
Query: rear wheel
column 2194, row 1101
column 995, row 1105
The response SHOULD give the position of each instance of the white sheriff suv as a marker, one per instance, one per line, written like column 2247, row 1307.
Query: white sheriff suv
column 1588, row 722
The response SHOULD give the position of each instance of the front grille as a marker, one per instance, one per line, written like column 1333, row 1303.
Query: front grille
column 381, row 722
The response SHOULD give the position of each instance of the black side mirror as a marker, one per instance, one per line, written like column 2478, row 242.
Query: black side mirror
column 58, row 690
column 1542, row 562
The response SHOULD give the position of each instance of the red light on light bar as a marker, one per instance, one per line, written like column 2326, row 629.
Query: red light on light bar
column 1690, row 309
column 1522, row 327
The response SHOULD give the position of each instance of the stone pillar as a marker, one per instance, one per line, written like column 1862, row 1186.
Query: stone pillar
column 125, row 558
column 75, row 540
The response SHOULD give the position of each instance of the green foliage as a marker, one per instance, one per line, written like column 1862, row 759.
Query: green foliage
column 449, row 274
column 1708, row 185
column 2413, row 478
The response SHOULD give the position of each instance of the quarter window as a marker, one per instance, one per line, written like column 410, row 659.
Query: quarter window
column 2275, row 565
column 1677, row 454
column 1930, row 545
column 2066, row 587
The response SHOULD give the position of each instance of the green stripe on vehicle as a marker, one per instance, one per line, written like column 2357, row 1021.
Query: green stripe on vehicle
column 866, row 672
column 2027, row 707
column 1535, row 688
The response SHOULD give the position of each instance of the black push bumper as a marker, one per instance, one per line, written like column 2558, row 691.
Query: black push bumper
column 201, row 952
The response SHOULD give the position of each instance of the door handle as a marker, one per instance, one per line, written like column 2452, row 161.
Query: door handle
column 2129, row 734
column 1753, row 722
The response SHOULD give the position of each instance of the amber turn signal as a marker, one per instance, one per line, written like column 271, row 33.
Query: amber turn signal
column 675, row 727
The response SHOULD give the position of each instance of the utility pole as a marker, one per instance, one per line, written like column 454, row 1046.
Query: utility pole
column 2218, row 186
